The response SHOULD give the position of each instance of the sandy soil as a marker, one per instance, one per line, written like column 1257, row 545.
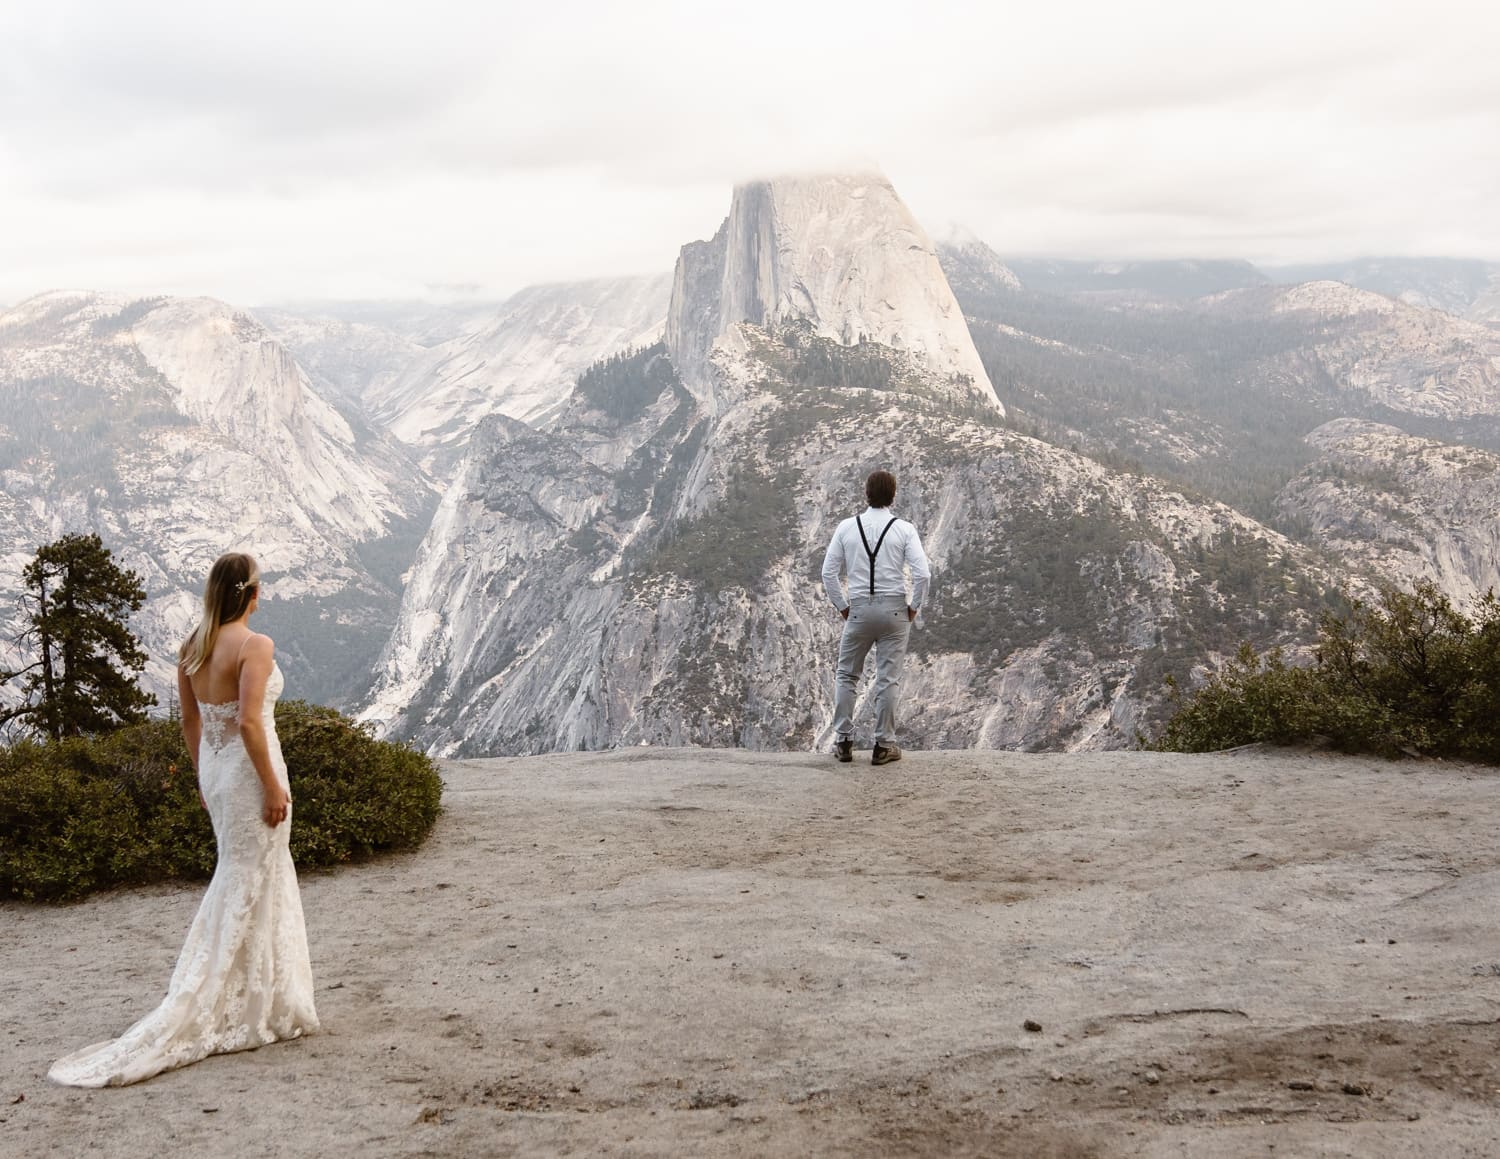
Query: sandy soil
column 682, row 952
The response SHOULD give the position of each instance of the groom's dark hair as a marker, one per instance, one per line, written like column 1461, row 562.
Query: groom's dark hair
column 880, row 488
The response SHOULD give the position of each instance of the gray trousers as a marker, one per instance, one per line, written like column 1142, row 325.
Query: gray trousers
column 880, row 622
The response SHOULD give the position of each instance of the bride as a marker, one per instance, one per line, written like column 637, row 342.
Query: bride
column 243, row 978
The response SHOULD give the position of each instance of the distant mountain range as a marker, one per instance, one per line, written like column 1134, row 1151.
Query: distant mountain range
column 591, row 515
column 1167, row 279
column 1470, row 289
column 647, row 560
column 1467, row 289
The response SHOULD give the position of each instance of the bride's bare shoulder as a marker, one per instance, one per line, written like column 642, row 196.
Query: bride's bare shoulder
column 257, row 643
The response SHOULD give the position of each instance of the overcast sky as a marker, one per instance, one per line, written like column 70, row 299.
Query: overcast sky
column 292, row 151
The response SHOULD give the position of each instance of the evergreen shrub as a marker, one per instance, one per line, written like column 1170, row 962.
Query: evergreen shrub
column 1409, row 675
column 122, row 808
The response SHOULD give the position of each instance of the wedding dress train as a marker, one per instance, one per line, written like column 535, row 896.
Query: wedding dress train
column 243, row 978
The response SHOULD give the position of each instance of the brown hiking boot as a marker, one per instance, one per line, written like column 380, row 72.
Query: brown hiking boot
column 884, row 756
column 844, row 750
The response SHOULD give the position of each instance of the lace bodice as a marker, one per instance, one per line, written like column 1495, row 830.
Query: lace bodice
column 221, row 722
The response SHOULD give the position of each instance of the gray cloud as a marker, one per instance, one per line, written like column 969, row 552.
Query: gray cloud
column 292, row 149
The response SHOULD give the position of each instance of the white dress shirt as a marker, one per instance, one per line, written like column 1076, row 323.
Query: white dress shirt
column 901, row 549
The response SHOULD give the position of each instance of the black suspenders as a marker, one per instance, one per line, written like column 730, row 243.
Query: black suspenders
column 878, row 542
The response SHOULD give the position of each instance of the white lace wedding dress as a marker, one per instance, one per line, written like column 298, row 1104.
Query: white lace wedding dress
column 243, row 978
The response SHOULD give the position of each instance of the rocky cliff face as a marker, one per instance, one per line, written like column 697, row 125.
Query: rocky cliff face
column 972, row 267
column 840, row 256
column 178, row 429
column 673, row 599
column 1485, row 309
column 521, row 364
column 346, row 360
column 1402, row 508
column 645, row 569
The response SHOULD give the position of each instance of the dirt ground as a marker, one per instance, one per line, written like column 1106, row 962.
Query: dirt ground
column 711, row 953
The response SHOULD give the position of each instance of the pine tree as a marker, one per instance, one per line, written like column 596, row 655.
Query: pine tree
column 77, row 601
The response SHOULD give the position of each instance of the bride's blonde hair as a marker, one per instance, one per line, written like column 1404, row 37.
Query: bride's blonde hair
column 232, row 583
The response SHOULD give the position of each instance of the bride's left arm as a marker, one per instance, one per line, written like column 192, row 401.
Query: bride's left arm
column 255, row 670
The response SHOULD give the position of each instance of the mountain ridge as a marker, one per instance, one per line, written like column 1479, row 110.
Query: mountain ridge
column 521, row 363
column 1135, row 478
column 177, row 429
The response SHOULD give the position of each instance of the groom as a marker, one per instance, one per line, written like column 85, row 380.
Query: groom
column 874, row 549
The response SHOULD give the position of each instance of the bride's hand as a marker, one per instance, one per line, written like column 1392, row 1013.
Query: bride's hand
column 278, row 801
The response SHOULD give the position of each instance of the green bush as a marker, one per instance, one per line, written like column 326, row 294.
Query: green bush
column 352, row 795
column 1412, row 675
column 122, row 808
column 1252, row 699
